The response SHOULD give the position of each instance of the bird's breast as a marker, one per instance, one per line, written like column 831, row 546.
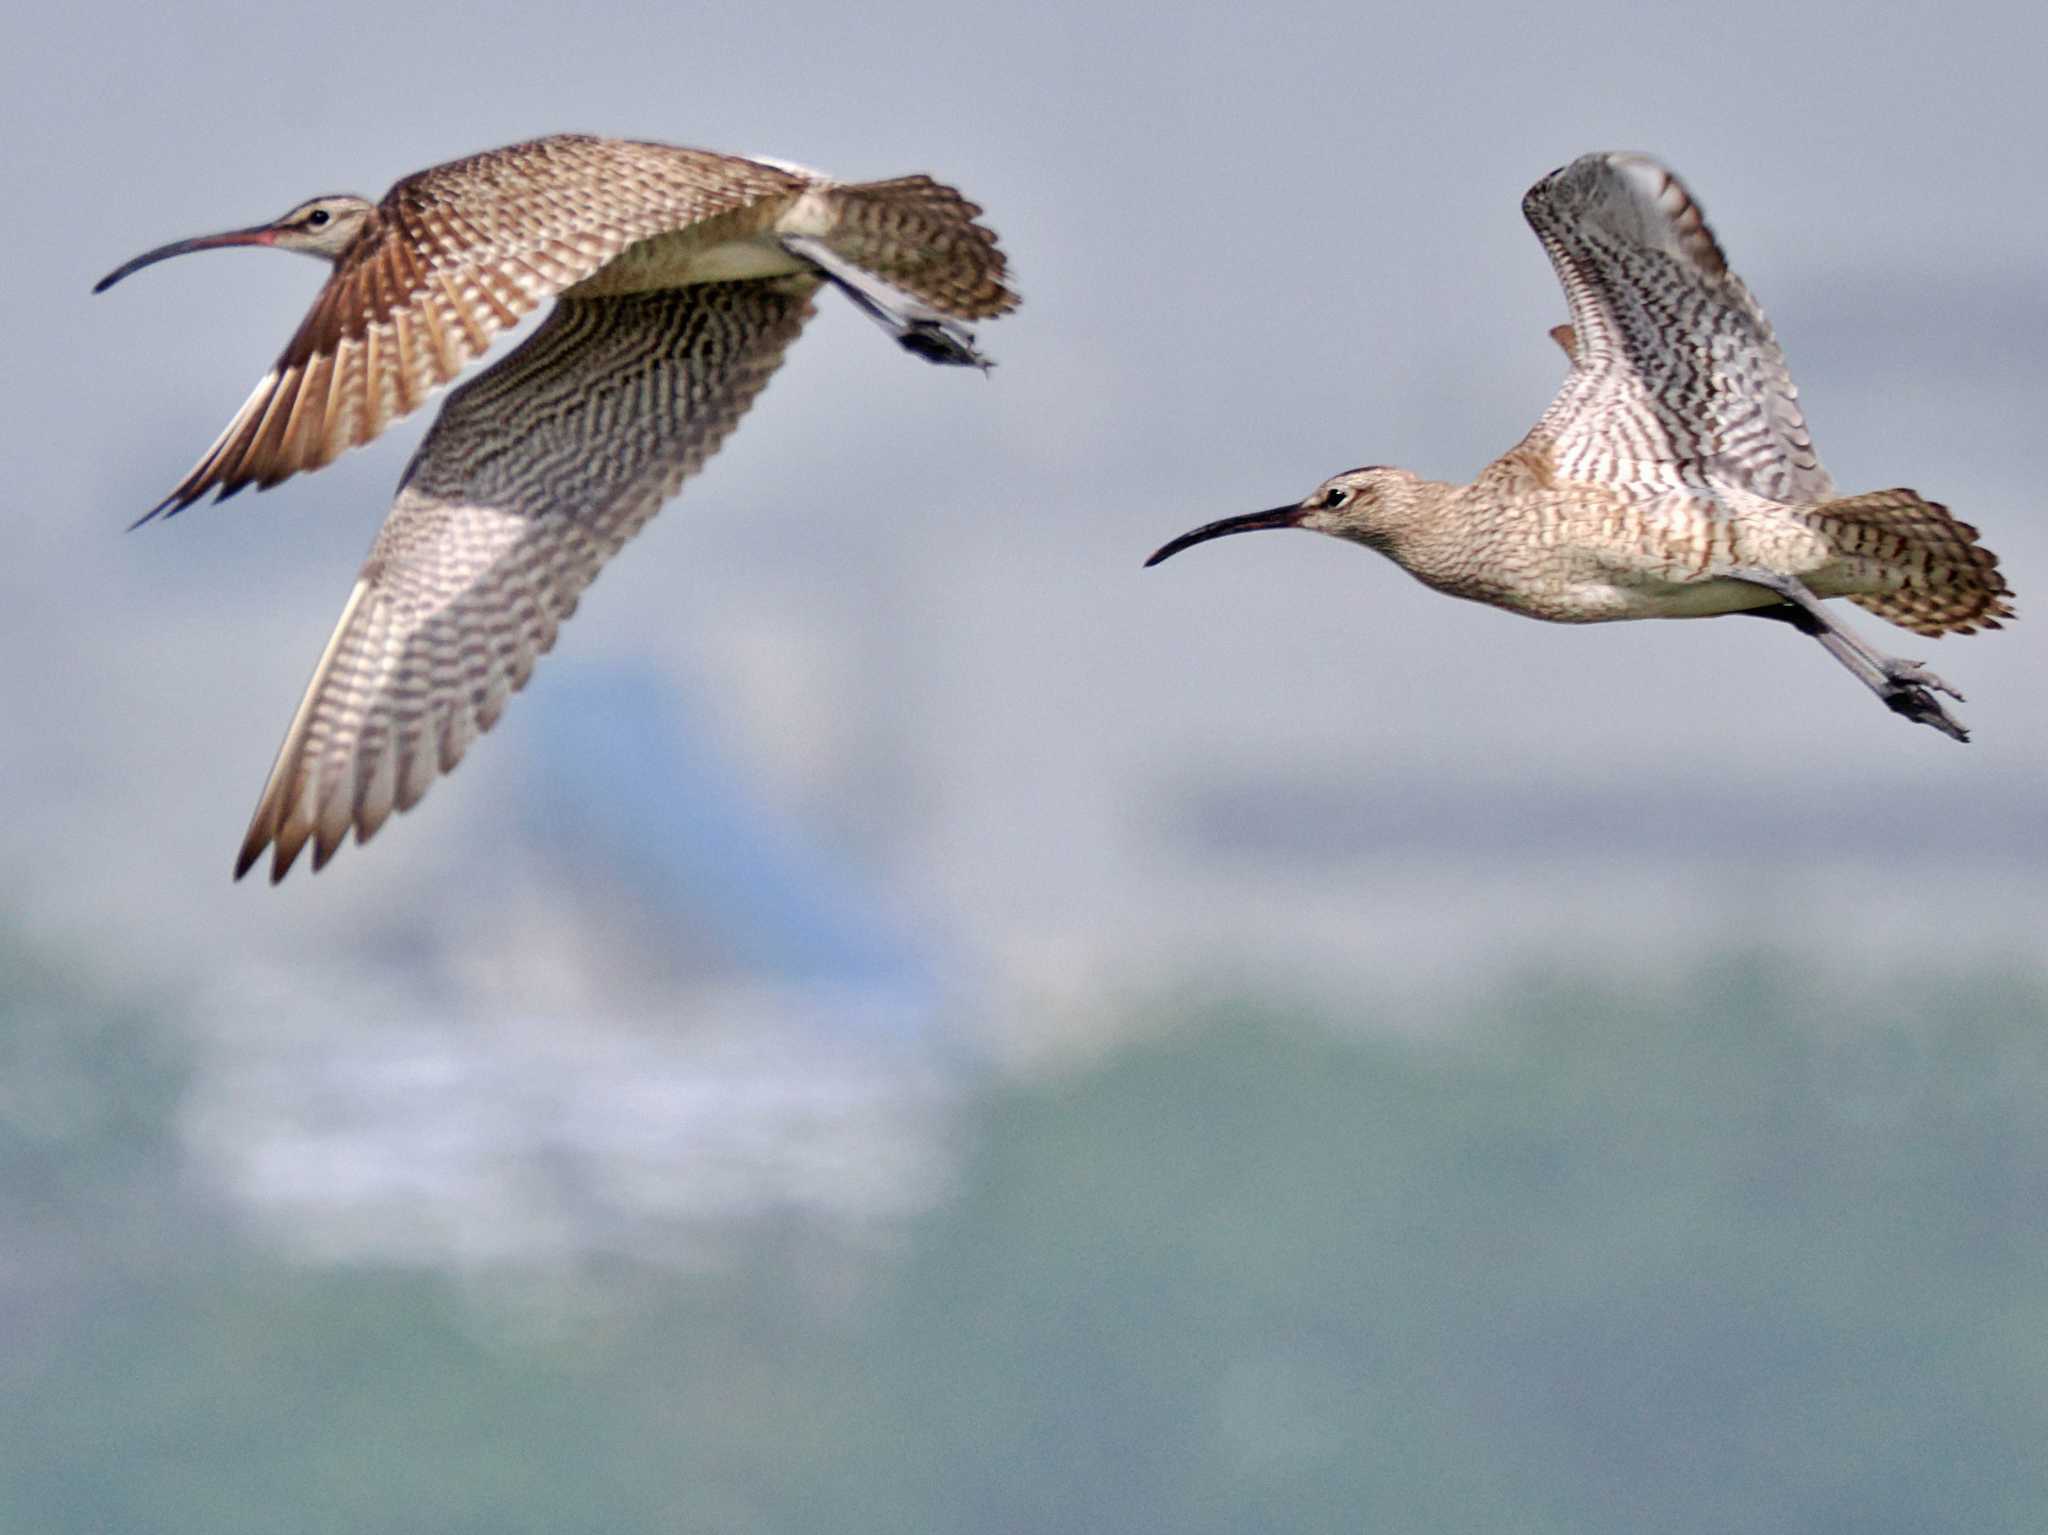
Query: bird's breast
column 1572, row 553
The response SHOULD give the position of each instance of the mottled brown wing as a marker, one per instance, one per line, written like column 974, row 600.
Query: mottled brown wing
column 455, row 255
column 1677, row 380
column 535, row 475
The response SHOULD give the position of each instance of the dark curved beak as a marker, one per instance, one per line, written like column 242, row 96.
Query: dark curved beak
column 1249, row 522
column 261, row 234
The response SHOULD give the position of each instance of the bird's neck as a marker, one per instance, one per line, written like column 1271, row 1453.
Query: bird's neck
column 1413, row 516
column 1438, row 533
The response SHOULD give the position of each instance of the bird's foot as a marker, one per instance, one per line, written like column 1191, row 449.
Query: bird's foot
column 1915, row 674
column 941, row 341
column 1914, row 702
column 915, row 328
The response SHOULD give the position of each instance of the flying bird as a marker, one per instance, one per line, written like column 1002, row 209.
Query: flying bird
column 679, row 276
column 1673, row 476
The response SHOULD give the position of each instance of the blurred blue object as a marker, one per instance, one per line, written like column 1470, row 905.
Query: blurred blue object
column 630, row 792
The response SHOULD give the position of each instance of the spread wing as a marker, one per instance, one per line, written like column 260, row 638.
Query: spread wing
column 1677, row 380
column 536, row 473
column 454, row 255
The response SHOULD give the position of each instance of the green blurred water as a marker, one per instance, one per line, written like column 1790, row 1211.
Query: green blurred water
column 1735, row 1254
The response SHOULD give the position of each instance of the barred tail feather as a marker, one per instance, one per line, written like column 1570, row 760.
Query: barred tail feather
column 921, row 237
column 1913, row 564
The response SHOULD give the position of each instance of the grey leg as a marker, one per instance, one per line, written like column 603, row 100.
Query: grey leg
column 1903, row 686
column 917, row 329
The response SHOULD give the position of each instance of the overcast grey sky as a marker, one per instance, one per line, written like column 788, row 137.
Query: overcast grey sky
column 1257, row 245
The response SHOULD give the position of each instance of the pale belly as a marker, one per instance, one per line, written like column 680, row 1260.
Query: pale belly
column 1687, row 599
column 740, row 246
column 1597, row 601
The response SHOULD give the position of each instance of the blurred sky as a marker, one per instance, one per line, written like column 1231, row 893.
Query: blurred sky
column 1257, row 245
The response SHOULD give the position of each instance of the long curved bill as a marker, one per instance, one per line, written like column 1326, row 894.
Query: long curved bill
column 261, row 234
column 1249, row 522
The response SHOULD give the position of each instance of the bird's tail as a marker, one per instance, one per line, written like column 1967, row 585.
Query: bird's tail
column 921, row 237
column 1912, row 563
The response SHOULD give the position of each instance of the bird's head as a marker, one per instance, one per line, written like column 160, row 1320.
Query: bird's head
column 323, row 227
column 1366, row 506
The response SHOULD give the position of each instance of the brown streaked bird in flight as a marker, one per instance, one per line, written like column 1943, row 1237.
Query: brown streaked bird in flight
column 680, row 277
column 1673, row 476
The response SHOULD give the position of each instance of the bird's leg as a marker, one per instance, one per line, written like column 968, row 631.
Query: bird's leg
column 917, row 329
column 1903, row 686
column 1889, row 667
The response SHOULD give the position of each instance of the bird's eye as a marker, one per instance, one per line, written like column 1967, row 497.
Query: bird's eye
column 317, row 217
column 1335, row 499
